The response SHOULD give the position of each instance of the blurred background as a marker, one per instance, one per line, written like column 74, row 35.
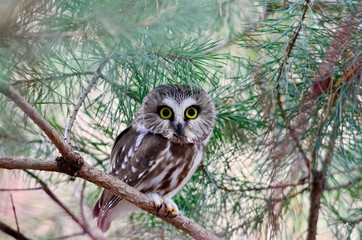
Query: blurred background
column 278, row 130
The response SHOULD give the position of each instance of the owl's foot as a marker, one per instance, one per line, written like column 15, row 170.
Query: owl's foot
column 159, row 201
column 172, row 209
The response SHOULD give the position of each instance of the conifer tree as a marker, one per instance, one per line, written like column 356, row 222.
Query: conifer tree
column 285, row 159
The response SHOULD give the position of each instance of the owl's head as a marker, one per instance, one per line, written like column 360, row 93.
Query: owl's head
column 181, row 113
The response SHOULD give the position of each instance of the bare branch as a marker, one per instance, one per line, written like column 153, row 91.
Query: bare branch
column 11, row 232
column 115, row 186
column 68, row 128
column 18, row 189
column 345, row 185
column 68, row 236
column 16, row 217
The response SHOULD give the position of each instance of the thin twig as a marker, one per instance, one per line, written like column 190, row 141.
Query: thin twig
column 345, row 185
column 63, row 76
column 290, row 196
column 15, row 216
column 68, row 236
column 61, row 204
column 11, row 232
column 118, row 188
column 68, row 128
column 57, row 35
column 287, row 53
column 19, row 189
column 253, row 188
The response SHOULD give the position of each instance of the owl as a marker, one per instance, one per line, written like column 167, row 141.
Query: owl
column 161, row 149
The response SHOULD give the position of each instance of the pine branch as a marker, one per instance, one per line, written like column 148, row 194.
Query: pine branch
column 286, row 56
column 322, row 82
column 90, row 173
column 117, row 187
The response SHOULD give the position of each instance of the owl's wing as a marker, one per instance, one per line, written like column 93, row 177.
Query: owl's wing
column 134, row 153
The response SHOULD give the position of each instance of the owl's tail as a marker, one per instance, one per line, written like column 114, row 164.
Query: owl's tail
column 105, row 216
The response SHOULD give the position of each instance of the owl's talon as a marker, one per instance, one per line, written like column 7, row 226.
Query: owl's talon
column 157, row 200
column 172, row 209
column 159, row 207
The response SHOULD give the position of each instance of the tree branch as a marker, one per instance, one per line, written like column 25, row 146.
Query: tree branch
column 115, row 186
column 11, row 232
column 19, row 189
column 15, row 216
column 68, row 128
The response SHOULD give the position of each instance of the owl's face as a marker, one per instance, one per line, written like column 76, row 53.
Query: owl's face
column 181, row 113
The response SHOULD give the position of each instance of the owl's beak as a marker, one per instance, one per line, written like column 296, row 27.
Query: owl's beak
column 179, row 128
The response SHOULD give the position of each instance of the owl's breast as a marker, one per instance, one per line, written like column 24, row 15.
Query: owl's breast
column 174, row 169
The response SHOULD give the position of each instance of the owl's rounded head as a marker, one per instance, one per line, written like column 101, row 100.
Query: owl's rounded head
column 181, row 113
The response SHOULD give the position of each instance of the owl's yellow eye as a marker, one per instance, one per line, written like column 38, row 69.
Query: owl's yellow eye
column 165, row 113
column 191, row 112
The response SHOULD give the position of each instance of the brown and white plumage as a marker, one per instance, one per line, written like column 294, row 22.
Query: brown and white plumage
column 158, row 153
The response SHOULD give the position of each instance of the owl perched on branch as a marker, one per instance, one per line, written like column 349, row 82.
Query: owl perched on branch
column 161, row 149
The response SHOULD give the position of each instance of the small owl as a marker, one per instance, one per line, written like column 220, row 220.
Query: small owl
column 161, row 149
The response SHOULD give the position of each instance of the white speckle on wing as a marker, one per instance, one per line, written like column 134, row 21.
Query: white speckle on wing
column 141, row 174
column 116, row 172
column 137, row 160
column 125, row 159
column 130, row 152
column 139, row 139
column 134, row 169
column 123, row 165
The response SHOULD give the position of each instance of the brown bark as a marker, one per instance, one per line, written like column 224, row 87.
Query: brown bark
column 116, row 186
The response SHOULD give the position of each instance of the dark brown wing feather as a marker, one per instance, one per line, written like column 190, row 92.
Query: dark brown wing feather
column 133, row 154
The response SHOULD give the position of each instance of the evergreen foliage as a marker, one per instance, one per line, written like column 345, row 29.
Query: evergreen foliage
column 278, row 132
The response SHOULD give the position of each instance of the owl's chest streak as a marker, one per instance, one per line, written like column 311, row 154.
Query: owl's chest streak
column 175, row 167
